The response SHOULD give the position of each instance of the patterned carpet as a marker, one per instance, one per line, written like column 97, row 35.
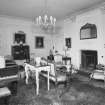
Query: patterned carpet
column 79, row 93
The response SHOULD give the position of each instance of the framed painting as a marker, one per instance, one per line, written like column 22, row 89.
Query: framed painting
column 68, row 42
column 39, row 42
column 20, row 36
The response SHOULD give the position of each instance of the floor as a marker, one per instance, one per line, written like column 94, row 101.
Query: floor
column 82, row 91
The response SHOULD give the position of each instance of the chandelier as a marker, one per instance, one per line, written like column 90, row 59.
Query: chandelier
column 46, row 22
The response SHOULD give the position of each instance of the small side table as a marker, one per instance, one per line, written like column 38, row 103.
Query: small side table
column 66, row 59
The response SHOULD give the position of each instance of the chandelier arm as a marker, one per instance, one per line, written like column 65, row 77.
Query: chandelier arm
column 46, row 22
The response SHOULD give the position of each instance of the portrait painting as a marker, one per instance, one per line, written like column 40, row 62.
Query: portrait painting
column 39, row 42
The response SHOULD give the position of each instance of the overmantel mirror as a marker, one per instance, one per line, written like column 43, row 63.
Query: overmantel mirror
column 88, row 31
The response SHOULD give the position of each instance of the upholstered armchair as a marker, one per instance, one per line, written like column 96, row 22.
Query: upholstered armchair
column 98, row 73
column 60, row 76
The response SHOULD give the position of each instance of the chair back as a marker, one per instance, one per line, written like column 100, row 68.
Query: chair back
column 58, row 59
column 37, row 61
column 52, row 70
column 28, row 71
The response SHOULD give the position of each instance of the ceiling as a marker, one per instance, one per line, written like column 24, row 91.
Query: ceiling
column 30, row 9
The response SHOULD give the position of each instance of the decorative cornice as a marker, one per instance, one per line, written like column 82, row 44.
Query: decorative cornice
column 102, row 8
column 72, row 19
column 99, row 5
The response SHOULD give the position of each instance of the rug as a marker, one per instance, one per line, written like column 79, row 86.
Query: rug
column 79, row 93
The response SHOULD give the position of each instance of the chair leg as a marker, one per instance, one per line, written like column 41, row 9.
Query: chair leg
column 90, row 78
column 104, row 82
column 67, row 85
column 56, row 86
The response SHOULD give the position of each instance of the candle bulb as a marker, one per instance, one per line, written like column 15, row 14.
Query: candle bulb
column 51, row 19
column 39, row 19
column 45, row 18
column 54, row 20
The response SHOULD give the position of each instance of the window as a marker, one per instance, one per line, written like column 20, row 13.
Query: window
column 39, row 42
column 88, row 31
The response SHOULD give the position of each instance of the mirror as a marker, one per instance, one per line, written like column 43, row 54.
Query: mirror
column 88, row 31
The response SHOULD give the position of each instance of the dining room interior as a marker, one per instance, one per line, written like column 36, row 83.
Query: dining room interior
column 52, row 52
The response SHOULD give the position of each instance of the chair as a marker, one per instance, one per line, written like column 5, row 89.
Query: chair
column 58, row 76
column 98, row 73
column 5, row 94
column 58, row 61
column 28, row 72
column 58, row 58
column 37, row 61
column 28, row 68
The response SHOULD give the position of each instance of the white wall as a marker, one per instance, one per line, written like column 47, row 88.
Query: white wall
column 58, row 37
column 72, row 29
column 9, row 26
column 68, row 28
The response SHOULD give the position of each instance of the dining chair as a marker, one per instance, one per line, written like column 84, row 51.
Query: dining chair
column 58, row 58
column 58, row 61
column 28, row 68
column 28, row 72
column 37, row 61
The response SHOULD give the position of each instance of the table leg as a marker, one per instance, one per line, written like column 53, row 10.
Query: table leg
column 37, row 83
column 48, row 81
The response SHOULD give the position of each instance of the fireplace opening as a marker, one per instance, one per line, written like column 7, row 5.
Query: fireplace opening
column 88, row 59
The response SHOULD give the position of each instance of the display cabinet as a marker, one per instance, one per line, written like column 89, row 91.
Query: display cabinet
column 20, row 52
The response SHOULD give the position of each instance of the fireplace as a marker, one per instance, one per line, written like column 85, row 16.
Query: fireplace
column 88, row 59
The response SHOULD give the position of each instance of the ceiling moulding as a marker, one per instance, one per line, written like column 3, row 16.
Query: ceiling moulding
column 72, row 19
column 102, row 8
column 98, row 5
column 10, row 20
column 15, row 18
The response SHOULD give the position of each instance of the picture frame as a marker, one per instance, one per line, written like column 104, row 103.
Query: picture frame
column 39, row 42
column 19, row 36
column 88, row 31
column 68, row 42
